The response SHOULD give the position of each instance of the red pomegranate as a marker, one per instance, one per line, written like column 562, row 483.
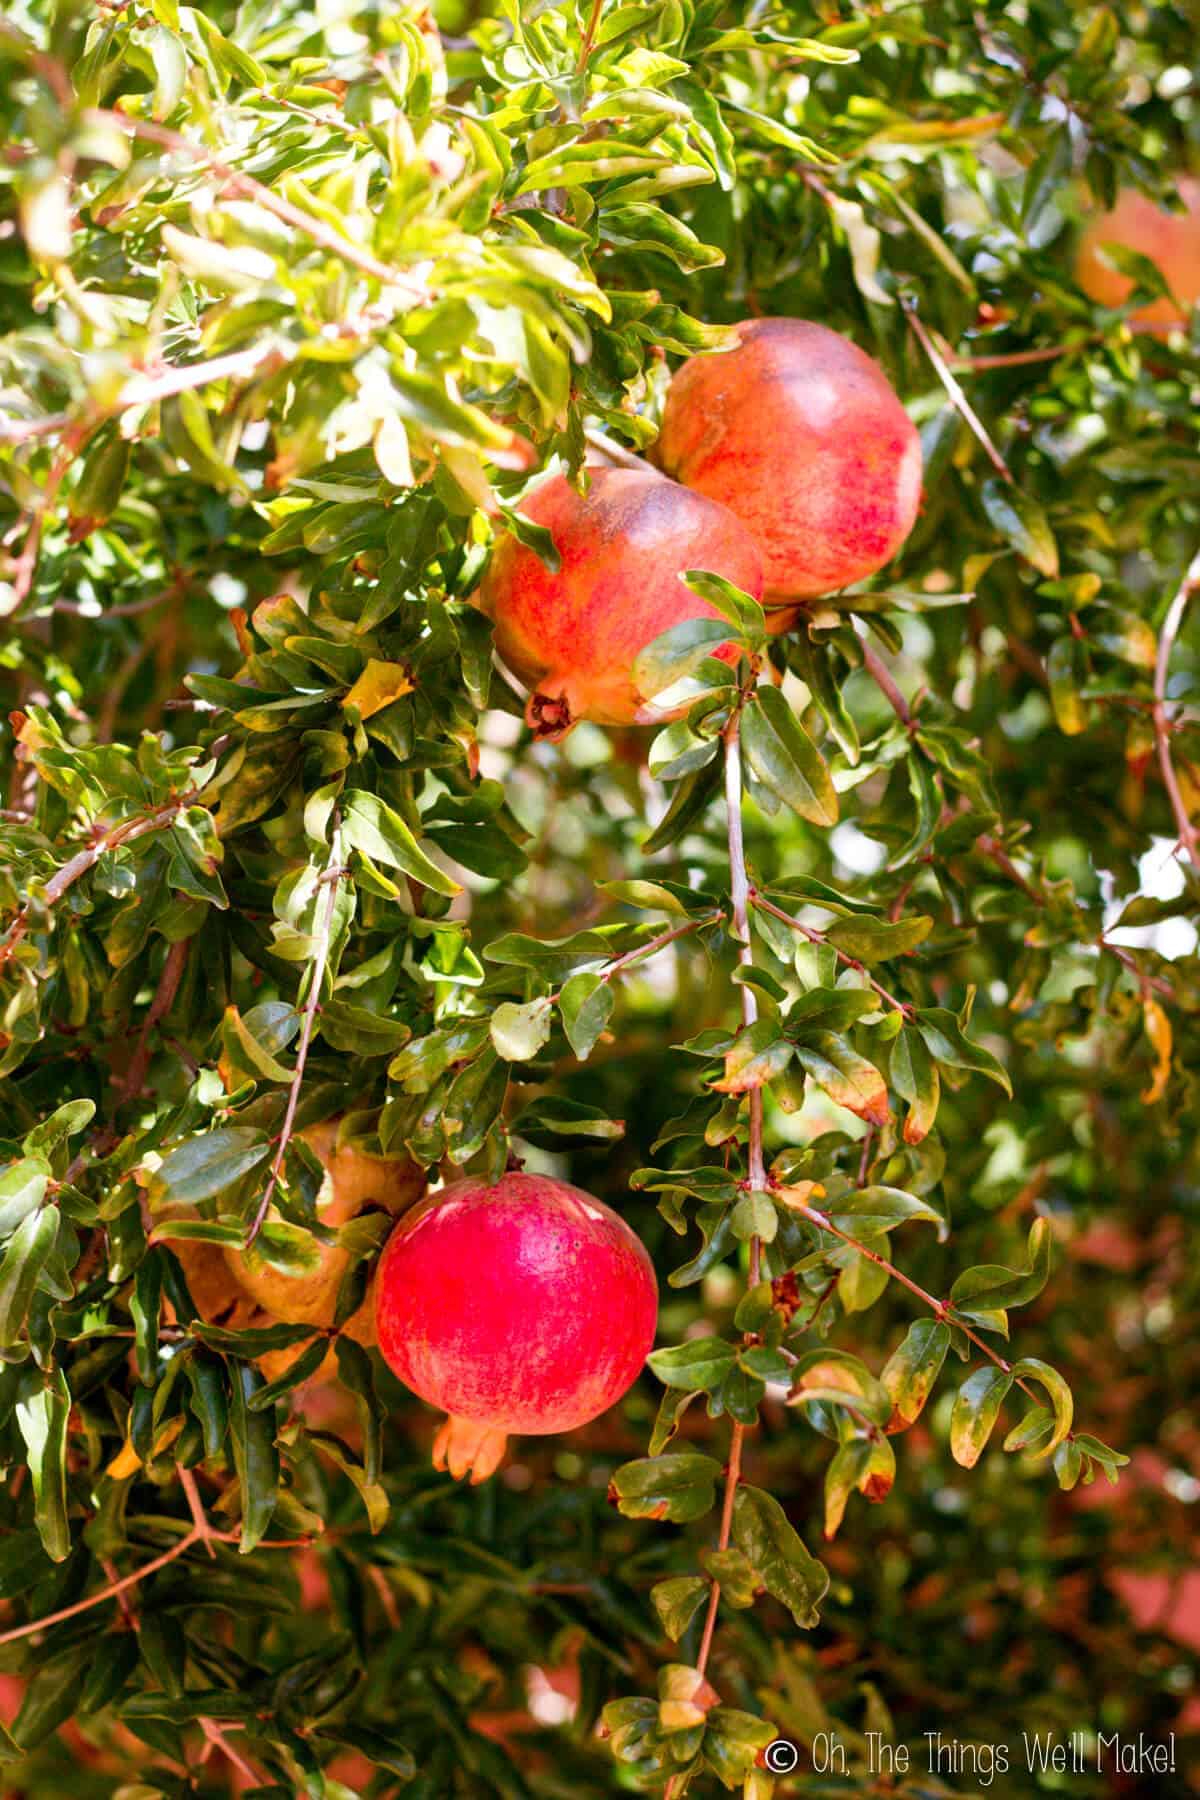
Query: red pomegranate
column 573, row 635
column 527, row 1307
column 800, row 434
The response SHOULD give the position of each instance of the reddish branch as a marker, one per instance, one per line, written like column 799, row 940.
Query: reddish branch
column 818, row 937
column 160, row 1006
column 1162, row 725
column 957, row 398
column 112, row 839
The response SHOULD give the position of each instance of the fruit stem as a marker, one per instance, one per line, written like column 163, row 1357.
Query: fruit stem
column 628, row 459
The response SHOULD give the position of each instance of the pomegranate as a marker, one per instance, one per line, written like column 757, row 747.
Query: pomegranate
column 528, row 1307
column 800, row 434
column 573, row 636
column 1170, row 240
column 353, row 1180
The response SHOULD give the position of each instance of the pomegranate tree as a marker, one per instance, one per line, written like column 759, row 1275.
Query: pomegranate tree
column 524, row 1307
column 800, row 434
column 573, row 633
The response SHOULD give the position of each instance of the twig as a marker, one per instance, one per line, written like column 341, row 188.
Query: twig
column 160, row 1006
column 621, row 964
column 1162, row 726
column 112, row 839
column 589, row 36
column 944, row 1309
column 334, row 871
column 881, row 675
column 237, row 182
column 215, row 1738
column 739, row 887
column 957, row 398
column 818, row 937
column 619, row 453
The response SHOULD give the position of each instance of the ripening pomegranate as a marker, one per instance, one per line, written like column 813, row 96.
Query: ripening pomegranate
column 1170, row 240
column 572, row 636
column 800, row 434
column 527, row 1306
column 353, row 1180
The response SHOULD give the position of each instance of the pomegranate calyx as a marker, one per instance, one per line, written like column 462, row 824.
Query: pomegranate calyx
column 549, row 716
column 469, row 1447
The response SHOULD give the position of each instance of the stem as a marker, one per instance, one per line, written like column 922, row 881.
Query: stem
column 619, row 453
column 214, row 1736
column 1162, row 727
column 160, row 1006
column 881, row 675
column 622, row 963
column 333, row 874
column 739, row 887
column 957, row 398
column 112, row 839
column 943, row 1308
column 818, row 937
column 589, row 36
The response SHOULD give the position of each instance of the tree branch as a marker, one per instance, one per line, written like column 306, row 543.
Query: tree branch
column 112, row 839
column 957, row 398
column 1162, row 725
column 323, row 932
column 818, row 937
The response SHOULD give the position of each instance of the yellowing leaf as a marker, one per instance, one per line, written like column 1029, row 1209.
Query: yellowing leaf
column 379, row 684
column 1158, row 1030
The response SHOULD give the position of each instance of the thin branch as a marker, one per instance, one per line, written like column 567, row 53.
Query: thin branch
column 1162, row 727
column 957, row 398
column 621, row 964
column 818, row 937
column 942, row 1308
column 619, row 453
column 215, row 1738
column 334, row 871
column 112, row 839
column 589, row 36
column 160, row 1006
column 881, row 675
column 238, row 183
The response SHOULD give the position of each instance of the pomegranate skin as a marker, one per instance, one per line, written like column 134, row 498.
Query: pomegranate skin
column 526, row 1307
column 573, row 636
column 801, row 434
column 1170, row 240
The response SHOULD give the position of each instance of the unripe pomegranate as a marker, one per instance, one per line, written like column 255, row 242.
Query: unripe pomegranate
column 528, row 1306
column 800, row 434
column 1170, row 240
column 573, row 636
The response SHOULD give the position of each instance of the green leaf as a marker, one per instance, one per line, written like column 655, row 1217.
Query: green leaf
column 677, row 1601
column 679, row 1487
column 995, row 1289
column 877, row 1209
column 699, row 1364
column 759, row 1053
column 848, row 1078
column 208, row 1165
column 586, row 1003
column 976, row 1409
column 877, row 940
column 21, row 1267
column 913, row 1367
column 762, row 1531
column 255, row 1457
column 371, row 826
column 677, row 653
column 1022, row 522
column 1031, row 1368
column 519, row 1032
column 43, row 1409
column 915, row 1078
column 785, row 759
column 22, row 1187
column 947, row 1043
